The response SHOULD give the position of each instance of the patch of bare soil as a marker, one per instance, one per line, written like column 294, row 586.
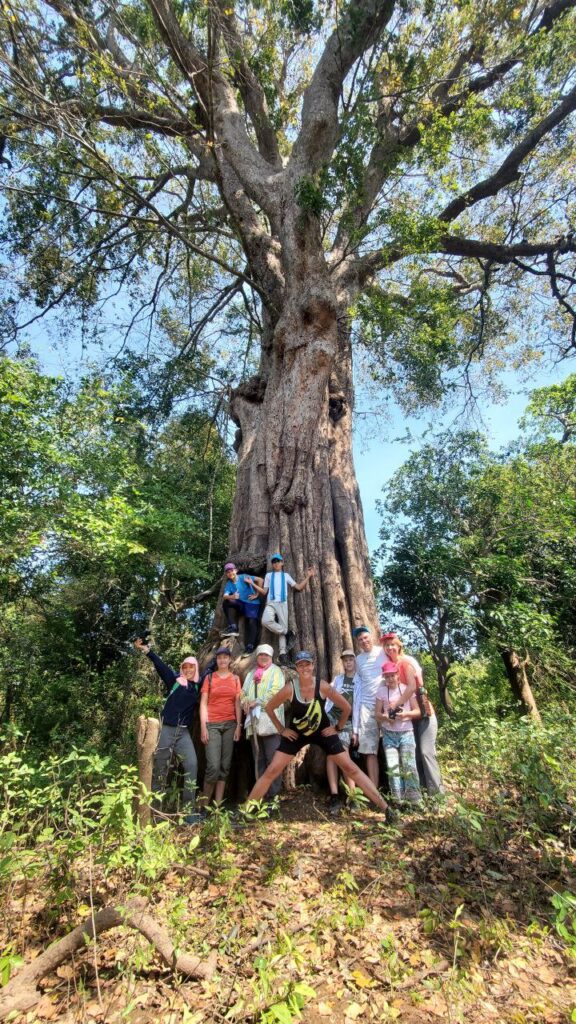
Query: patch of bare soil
column 314, row 918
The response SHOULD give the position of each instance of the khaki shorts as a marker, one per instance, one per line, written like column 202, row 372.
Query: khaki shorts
column 368, row 732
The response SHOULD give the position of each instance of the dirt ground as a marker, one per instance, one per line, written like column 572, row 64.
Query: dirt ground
column 444, row 916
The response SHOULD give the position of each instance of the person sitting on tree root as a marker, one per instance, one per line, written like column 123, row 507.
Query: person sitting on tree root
column 176, row 718
column 240, row 597
column 275, row 616
column 310, row 724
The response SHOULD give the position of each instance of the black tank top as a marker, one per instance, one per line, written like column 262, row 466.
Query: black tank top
column 308, row 716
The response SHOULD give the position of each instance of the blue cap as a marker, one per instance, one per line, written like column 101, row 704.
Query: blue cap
column 360, row 629
column 303, row 656
column 223, row 650
column 276, row 558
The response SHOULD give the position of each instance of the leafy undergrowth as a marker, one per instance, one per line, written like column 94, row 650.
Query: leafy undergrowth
column 458, row 914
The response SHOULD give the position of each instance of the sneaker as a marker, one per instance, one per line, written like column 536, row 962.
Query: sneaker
column 230, row 631
column 334, row 804
column 291, row 639
column 249, row 648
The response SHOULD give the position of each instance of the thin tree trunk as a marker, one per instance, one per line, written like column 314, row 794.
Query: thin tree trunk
column 519, row 684
column 147, row 732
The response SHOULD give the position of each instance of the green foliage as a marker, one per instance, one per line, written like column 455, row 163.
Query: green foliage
column 480, row 548
column 58, row 812
column 115, row 518
column 564, row 904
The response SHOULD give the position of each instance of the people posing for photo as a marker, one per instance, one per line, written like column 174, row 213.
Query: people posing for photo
column 275, row 615
column 309, row 723
column 176, row 719
column 347, row 683
column 242, row 598
column 396, row 713
column 260, row 685
column 426, row 727
column 220, row 725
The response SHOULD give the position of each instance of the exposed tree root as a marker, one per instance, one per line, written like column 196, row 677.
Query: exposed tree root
column 22, row 992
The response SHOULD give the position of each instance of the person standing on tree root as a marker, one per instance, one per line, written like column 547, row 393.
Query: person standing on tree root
column 275, row 616
column 176, row 717
column 425, row 728
column 260, row 685
column 369, row 663
column 241, row 598
column 310, row 724
column 220, row 725
column 348, row 683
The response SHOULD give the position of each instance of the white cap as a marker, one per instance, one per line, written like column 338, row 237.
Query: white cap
column 265, row 649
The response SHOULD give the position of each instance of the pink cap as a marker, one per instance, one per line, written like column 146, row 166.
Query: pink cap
column 192, row 661
column 228, row 566
column 389, row 668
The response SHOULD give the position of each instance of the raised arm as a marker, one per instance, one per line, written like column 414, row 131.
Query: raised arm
column 167, row 674
column 304, row 583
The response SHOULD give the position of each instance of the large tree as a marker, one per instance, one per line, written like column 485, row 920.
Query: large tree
column 314, row 166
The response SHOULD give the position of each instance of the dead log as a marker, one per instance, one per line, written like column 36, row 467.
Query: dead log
column 148, row 731
column 21, row 992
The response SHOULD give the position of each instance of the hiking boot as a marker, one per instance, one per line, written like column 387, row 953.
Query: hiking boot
column 334, row 804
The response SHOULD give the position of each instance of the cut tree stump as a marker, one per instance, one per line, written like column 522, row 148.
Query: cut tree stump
column 21, row 993
column 147, row 733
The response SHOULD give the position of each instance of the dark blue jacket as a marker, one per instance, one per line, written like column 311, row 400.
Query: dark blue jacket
column 181, row 700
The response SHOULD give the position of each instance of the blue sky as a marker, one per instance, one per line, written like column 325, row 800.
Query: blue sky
column 376, row 458
column 380, row 444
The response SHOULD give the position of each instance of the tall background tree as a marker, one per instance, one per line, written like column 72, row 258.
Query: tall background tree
column 480, row 548
column 312, row 175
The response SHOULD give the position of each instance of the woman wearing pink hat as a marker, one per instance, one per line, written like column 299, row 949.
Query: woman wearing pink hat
column 398, row 735
column 176, row 718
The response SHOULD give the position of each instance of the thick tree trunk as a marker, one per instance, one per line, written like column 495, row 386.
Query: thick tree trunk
column 519, row 684
column 296, row 488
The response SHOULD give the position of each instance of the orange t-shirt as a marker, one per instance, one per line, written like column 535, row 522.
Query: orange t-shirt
column 222, row 692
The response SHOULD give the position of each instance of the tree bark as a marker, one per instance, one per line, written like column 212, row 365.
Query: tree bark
column 296, row 486
column 147, row 733
column 21, row 992
column 519, row 684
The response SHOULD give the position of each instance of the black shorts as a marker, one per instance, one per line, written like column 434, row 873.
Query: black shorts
column 330, row 744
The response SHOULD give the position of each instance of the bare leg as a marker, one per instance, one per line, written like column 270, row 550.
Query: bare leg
column 350, row 783
column 352, row 771
column 332, row 776
column 207, row 793
column 274, row 769
column 219, row 791
column 373, row 769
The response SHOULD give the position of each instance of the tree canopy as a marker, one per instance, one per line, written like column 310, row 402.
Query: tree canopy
column 150, row 148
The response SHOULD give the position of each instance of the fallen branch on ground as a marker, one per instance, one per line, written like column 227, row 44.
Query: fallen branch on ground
column 21, row 992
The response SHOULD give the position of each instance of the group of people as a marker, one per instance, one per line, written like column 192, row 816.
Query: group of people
column 379, row 697
column 244, row 595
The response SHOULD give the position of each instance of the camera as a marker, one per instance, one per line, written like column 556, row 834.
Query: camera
column 392, row 712
column 144, row 636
